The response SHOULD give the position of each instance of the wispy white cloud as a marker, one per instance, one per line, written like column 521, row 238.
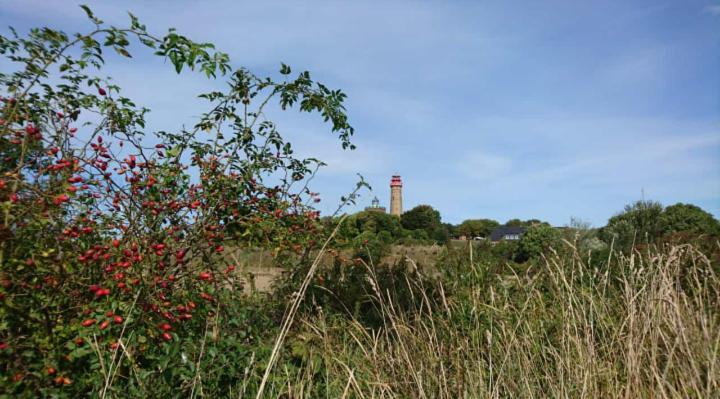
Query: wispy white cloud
column 483, row 167
column 713, row 9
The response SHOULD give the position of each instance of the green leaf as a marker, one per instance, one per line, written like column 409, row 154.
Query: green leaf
column 123, row 52
column 173, row 152
column 88, row 11
column 147, row 42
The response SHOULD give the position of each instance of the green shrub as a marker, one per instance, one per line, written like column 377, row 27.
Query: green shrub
column 113, row 258
column 536, row 240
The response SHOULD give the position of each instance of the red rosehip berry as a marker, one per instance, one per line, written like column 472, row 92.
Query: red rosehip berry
column 60, row 199
column 180, row 255
column 88, row 322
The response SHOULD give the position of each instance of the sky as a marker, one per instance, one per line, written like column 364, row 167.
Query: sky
column 487, row 109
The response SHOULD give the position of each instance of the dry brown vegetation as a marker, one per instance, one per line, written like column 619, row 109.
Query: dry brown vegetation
column 642, row 325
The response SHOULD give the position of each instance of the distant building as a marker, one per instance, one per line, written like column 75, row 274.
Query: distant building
column 507, row 233
column 375, row 207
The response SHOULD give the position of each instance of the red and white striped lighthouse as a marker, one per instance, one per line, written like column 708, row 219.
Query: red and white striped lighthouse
column 396, row 195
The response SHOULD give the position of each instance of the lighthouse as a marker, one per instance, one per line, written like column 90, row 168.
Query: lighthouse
column 396, row 196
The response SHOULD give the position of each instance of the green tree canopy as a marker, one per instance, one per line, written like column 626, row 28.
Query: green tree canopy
column 687, row 218
column 450, row 228
column 441, row 234
column 426, row 218
column 477, row 227
column 527, row 223
column 422, row 217
column 377, row 222
column 366, row 221
column 638, row 222
column 537, row 239
column 515, row 223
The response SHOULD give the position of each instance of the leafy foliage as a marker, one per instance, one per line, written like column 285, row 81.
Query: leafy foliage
column 687, row 218
column 638, row 222
column 114, row 239
column 526, row 223
column 646, row 222
column 536, row 240
column 427, row 219
column 477, row 227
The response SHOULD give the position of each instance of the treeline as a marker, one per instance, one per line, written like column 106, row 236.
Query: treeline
column 371, row 233
column 639, row 223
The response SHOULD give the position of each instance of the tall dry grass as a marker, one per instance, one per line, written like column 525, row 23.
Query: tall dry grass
column 642, row 325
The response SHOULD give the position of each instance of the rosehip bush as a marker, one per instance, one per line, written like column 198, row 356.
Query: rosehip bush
column 114, row 239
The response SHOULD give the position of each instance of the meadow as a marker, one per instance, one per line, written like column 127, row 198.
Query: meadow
column 644, row 324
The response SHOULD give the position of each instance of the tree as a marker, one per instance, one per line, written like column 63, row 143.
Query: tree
column 377, row 222
column 638, row 222
column 477, row 227
column 536, row 240
column 441, row 234
column 418, row 234
column 532, row 222
column 585, row 237
column 526, row 223
column 687, row 218
column 450, row 229
column 422, row 217
column 515, row 223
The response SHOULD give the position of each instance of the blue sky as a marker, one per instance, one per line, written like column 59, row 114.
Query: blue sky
column 488, row 109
